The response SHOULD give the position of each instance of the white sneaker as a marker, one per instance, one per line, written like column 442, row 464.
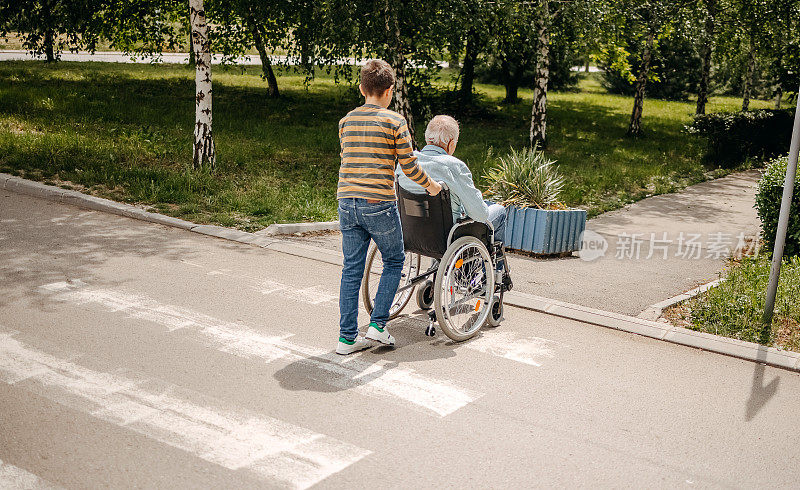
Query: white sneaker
column 345, row 347
column 374, row 332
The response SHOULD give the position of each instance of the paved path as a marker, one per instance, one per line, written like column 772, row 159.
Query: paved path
column 119, row 57
column 180, row 58
column 134, row 355
column 628, row 285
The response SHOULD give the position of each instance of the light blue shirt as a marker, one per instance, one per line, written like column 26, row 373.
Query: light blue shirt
column 465, row 199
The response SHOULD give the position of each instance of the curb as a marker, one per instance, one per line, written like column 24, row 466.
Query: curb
column 653, row 312
column 640, row 326
column 292, row 228
column 657, row 330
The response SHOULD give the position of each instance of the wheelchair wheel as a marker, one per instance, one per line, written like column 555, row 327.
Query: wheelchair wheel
column 464, row 288
column 497, row 312
column 372, row 276
column 425, row 295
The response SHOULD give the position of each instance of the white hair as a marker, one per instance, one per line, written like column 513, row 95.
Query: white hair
column 441, row 131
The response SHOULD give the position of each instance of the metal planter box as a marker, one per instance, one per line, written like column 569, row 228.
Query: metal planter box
column 544, row 231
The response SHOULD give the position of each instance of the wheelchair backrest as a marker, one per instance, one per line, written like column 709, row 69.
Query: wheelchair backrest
column 426, row 221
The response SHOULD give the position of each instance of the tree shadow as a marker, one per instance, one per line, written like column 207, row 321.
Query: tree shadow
column 43, row 242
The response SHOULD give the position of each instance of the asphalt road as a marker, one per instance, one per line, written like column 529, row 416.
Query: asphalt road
column 134, row 355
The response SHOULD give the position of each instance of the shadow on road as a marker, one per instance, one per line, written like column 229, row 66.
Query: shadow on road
column 332, row 372
column 760, row 393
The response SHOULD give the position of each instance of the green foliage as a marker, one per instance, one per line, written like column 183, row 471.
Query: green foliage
column 734, row 137
column 278, row 160
column 768, row 205
column 734, row 307
column 674, row 75
column 525, row 178
column 48, row 27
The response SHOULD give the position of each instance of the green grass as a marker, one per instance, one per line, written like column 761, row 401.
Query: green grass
column 125, row 131
column 734, row 308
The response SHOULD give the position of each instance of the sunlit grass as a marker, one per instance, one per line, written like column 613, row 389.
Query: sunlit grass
column 124, row 131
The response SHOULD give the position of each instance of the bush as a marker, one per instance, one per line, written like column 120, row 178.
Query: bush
column 526, row 178
column 733, row 137
column 768, row 204
column 734, row 307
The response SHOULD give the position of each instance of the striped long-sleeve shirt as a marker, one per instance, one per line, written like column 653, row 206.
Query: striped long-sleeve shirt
column 373, row 141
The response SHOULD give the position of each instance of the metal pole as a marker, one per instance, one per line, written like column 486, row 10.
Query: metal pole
column 783, row 219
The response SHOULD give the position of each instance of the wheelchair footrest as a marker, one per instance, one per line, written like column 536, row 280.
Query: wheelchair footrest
column 430, row 330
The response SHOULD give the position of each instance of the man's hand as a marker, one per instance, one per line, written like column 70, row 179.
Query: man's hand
column 434, row 188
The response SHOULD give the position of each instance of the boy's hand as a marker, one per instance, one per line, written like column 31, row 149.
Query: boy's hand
column 434, row 188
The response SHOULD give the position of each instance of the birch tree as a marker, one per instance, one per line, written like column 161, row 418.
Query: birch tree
column 635, row 125
column 238, row 25
column 632, row 30
column 707, row 40
column 204, row 150
column 397, row 60
column 550, row 18
column 543, row 21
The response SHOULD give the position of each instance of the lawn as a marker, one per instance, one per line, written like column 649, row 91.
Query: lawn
column 123, row 131
column 734, row 308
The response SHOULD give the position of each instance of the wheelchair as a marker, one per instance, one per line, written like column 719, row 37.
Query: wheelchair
column 461, row 288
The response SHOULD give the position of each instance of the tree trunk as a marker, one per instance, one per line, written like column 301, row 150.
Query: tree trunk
column 706, row 52
column 778, row 96
column 204, row 150
column 266, row 64
column 748, row 78
column 468, row 69
column 398, row 62
column 539, row 111
column 705, row 77
column 512, row 79
column 635, row 127
column 49, row 46
column 306, row 57
column 454, row 51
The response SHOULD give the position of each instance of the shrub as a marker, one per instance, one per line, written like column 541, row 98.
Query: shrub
column 734, row 307
column 768, row 204
column 733, row 137
column 526, row 178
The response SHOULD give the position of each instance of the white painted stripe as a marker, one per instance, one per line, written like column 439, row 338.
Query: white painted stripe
column 277, row 451
column 381, row 379
column 314, row 295
column 14, row 478
column 527, row 350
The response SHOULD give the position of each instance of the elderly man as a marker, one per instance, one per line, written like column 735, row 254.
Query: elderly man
column 438, row 162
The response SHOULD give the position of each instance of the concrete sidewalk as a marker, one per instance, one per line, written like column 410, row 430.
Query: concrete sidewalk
column 701, row 224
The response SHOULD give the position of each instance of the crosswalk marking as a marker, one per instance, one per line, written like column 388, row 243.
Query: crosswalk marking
column 14, row 478
column 381, row 378
column 527, row 350
column 274, row 450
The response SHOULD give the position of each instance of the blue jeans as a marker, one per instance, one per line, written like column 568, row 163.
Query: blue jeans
column 361, row 221
column 497, row 216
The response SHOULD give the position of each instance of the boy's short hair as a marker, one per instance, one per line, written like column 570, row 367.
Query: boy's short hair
column 441, row 131
column 376, row 77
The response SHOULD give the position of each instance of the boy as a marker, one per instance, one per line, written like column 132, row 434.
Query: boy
column 373, row 141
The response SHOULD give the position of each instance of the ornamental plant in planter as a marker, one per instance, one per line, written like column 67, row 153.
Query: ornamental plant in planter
column 529, row 184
